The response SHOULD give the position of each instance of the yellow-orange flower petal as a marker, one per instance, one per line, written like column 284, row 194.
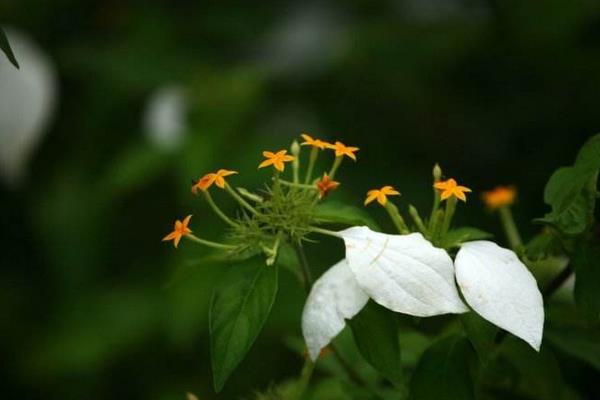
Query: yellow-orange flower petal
column 342, row 150
column 500, row 196
column 213, row 177
column 381, row 195
column 179, row 230
column 277, row 160
column 325, row 185
column 450, row 188
column 309, row 141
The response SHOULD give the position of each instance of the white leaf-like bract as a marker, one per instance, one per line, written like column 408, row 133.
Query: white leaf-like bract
column 404, row 273
column 334, row 297
column 500, row 288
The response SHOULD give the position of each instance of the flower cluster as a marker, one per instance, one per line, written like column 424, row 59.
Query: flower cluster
column 411, row 272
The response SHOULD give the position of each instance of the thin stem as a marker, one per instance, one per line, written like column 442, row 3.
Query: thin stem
column 334, row 168
column 449, row 214
column 325, row 231
column 240, row 200
column 302, row 383
column 510, row 228
column 396, row 218
column 306, row 274
column 217, row 210
column 208, row 243
column 314, row 153
column 297, row 185
column 557, row 282
column 414, row 213
column 434, row 209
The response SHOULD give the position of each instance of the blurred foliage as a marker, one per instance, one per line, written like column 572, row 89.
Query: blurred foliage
column 496, row 91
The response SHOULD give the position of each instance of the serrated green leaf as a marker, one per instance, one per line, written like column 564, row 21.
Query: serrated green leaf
column 238, row 312
column 5, row 47
column 481, row 334
column 587, row 279
column 339, row 213
column 375, row 331
column 443, row 371
column 458, row 236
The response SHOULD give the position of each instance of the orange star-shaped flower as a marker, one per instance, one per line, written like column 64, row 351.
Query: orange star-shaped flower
column 381, row 195
column 451, row 188
column 179, row 230
column 500, row 196
column 214, row 177
column 342, row 150
column 277, row 160
column 326, row 185
column 309, row 141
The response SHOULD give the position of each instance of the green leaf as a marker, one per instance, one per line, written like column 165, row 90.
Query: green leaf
column 567, row 330
column 481, row 334
column 571, row 191
column 339, row 213
column 443, row 372
column 5, row 47
column 589, row 154
column 543, row 245
column 237, row 314
column 585, row 260
column 458, row 236
column 375, row 331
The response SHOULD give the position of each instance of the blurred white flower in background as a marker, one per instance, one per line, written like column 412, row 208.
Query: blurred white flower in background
column 308, row 40
column 164, row 119
column 27, row 101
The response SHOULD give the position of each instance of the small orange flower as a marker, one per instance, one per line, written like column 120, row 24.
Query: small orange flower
column 451, row 188
column 325, row 185
column 342, row 150
column 309, row 141
column 500, row 196
column 214, row 177
column 179, row 230
column 381, row 195
column 276, row 159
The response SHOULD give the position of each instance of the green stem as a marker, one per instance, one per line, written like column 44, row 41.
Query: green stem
column 240, row 200
column 303, row 380
column 306, row 274
column 208, row 243
column 336, row 165
column 449, row 214
column 325, row 231
column 436, row 226
column 510, row 228
column 217, row 210
column 297, row 185
column 314, row 153
column 434, row 209
column 414, row 213
column 396, row 217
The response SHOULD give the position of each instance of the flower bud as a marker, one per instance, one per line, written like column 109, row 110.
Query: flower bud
column 295, row 148
column 437, row 172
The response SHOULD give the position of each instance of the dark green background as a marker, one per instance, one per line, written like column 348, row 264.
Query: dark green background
column 497, row 92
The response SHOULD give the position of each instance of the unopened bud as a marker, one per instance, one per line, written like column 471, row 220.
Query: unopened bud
column 437, row 172
column 295, row 148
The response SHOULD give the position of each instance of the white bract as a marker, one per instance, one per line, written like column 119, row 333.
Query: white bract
column 500, row 288
column 407, row 274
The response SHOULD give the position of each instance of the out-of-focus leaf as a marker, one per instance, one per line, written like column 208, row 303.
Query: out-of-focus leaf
column 338, row 213
column 481, row 334
column 589, row 154
column 375, row 332
column 456, row 237
column 543, row 245
column 567, row 330
column 587, row 279
column 443, row 372
column 238, row 312
column 5, row 47
column 520, row 372
column 571, row 192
